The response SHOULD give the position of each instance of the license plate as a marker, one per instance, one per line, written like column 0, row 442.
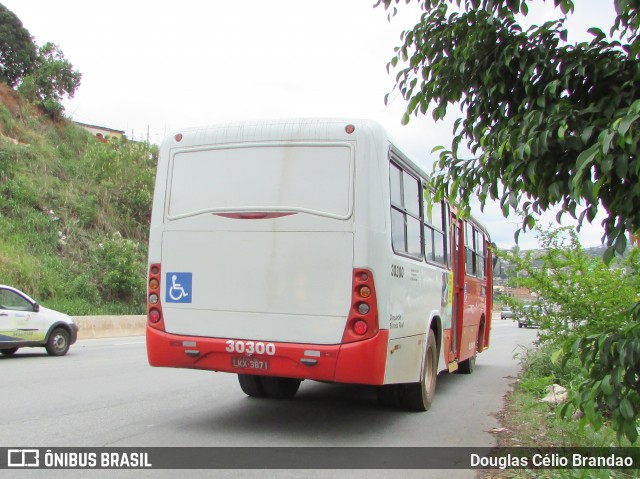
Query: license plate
column 240, row 362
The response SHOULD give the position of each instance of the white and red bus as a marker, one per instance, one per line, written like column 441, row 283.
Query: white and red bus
column 311, row 249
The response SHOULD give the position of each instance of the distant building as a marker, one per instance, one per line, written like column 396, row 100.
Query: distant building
column 522, row 294
column 101, row 132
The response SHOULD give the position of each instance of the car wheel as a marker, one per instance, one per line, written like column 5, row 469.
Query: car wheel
column 419, row 396
column 58, row 343
column 8, row 352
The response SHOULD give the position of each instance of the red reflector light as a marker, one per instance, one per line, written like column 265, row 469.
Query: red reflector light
column 349, row 129
column 360, row 327
column 178, row 137
column 154, row 315
column 154, row 269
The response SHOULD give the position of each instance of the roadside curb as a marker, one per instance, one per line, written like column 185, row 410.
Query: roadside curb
column 91, row 327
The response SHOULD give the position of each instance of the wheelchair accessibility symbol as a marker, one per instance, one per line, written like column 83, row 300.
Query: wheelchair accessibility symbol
column 178, row 287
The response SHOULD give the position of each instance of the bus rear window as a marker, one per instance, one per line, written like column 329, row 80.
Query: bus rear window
column 310, row 178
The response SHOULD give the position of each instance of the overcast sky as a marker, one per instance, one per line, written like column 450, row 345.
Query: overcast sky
column 156, row 66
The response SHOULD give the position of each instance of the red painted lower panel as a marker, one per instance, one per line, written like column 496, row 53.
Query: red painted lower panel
column 446, row 344
column 361, row 362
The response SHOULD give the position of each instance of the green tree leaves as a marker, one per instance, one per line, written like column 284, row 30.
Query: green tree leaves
column 17, row 50
column 43, row 75
column 584, row 295
column 549, row 122
column 123, row 270
column 52, row 78
column 589, row 316
column 611, row 388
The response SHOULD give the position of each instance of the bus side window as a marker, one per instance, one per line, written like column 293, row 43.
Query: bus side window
column 429, row 246
column 482, row 255
column 411, row 187
column 398, row 233
column 406, row 225
column 476, row 251
column 395, row 185
column 446, row 231
column 434, row 232
column 469, row 242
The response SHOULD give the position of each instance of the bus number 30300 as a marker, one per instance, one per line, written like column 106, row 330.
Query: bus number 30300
column 250, row 347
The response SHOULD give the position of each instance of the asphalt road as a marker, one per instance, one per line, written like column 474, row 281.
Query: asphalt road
column 104, row 394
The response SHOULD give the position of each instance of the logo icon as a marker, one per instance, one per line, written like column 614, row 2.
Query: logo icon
column 178, row 287
column 23, row 458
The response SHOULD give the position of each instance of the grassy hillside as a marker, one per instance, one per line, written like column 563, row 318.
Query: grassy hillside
column 74, row 213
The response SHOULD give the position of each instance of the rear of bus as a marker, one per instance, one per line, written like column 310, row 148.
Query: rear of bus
column 254, row 267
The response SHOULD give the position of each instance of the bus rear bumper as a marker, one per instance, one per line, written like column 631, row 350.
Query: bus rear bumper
column 361, row 362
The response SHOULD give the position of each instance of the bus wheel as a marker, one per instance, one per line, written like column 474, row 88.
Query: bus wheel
column 280, row 388
column 419, row 396
column 251, row 385
column 467, row 366
column 388, row 396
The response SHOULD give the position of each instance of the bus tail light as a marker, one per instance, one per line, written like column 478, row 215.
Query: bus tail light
column 154, row 306
column 362, row 322
column 154, row 315
column 360, row 327
column 365, row 291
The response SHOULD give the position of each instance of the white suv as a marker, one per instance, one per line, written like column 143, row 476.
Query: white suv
column 24, row 323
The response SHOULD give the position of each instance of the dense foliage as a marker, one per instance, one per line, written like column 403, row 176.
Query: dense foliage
column 74, row 213
column 547, row 123
column 51, row 79
column 578, row 294
column 17, row 51
column 529, row 422
column 42, row 75
column 611, row 389
column 587, row 318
